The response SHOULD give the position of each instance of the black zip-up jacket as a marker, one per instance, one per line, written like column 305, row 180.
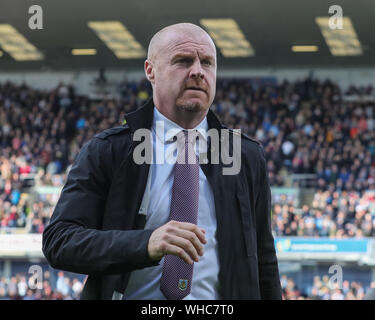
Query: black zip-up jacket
column 96, row 230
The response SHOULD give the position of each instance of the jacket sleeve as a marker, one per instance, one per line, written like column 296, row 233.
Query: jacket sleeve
column 73, row 240
column 267, row 261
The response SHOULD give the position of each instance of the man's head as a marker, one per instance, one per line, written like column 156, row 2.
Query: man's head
column 181, row 66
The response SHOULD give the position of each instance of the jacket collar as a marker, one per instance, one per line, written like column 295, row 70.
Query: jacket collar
column 142, row 118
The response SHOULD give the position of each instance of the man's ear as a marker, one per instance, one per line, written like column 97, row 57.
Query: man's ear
column 149, row 71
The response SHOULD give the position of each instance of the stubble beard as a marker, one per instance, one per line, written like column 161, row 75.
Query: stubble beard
column 190, row 106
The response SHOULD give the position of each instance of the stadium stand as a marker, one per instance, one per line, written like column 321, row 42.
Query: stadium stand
column 316, row 137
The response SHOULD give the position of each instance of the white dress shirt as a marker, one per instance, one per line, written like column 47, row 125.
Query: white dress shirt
column 145, row 283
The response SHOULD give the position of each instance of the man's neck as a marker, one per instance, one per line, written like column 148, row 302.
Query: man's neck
column 184, row 118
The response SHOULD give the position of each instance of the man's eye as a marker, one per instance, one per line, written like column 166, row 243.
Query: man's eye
column 185, row 60
column 207, row 62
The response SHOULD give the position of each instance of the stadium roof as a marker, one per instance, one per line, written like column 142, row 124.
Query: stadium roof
column 269, row 28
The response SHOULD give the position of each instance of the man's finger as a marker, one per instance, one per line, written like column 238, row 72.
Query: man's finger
column 186, row 245
column 191, row 237
column 179, row 252
column 191, row 227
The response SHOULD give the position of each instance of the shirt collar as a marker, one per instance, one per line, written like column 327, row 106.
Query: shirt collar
column 171, row 128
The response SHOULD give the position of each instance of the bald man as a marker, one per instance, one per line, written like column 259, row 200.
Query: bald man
column 168, row 230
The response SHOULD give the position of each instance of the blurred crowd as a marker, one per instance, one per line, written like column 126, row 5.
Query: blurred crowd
column 306, row 127
column 41, row 133
column 332, row 214
column 322, row 289
column 19, row 287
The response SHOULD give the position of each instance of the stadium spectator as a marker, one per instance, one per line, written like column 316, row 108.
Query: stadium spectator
column 22, row 286
column 76, row 288
column 62, row 284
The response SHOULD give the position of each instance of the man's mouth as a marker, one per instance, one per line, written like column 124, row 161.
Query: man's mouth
column 196, row 89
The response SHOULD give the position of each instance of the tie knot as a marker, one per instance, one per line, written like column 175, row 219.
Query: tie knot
column 186, row 145
column 188, row 136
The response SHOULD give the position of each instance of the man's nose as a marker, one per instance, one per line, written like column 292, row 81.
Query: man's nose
column 197, row 70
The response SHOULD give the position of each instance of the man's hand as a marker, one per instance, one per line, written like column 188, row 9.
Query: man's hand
column 182, row 239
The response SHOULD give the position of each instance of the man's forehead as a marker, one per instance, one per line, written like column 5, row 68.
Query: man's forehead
column 183, row 39
column 181, row 36
column 190, row 47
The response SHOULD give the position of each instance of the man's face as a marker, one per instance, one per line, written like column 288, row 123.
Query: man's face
column 185, row 73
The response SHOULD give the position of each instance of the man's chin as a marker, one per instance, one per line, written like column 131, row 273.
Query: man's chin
column 191, row 106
